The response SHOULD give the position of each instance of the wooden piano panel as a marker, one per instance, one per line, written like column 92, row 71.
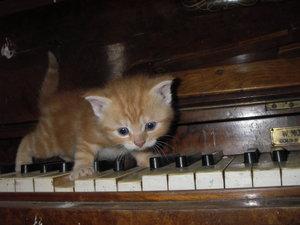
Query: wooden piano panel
column 231, row 213
column 260, row 206
column 232, row 137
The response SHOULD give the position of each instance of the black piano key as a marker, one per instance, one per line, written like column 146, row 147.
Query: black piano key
column 279, row 154
column 211, row 158
column 67, row 166
column 26, row 168
column 57, row 166
column 156, row 162
column 9, row 168
column 181, row 161
column 125, row 163
column 251, row 156
column 186, row 160
column 103, row 165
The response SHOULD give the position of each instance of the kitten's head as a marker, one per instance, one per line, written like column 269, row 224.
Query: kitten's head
column 134, row 112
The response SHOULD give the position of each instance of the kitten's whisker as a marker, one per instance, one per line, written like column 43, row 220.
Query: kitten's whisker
column 166, row 144
column 156, row 150
column 160, row 150
column 122, row 153
column 167, row 135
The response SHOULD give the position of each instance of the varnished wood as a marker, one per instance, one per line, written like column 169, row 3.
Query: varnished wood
column 203, row 195
column 12, row 6
column 281, row 73
column 259, row 206
column 261, row 212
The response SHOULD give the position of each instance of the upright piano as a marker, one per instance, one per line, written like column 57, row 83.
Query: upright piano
column 238, row 93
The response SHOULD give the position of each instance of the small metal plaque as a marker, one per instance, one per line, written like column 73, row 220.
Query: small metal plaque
column 285, row 136
column 283, row 105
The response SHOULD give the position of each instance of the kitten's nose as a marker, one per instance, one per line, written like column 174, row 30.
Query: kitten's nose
column 139, row 143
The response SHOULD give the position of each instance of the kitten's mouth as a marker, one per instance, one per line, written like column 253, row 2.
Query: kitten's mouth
column 134, row 147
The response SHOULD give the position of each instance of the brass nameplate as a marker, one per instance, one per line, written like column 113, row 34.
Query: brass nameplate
column 285, row 136
column 283, row 105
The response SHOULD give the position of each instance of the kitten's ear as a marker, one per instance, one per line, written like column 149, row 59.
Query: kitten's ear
column 163, row 90
column 98, row 104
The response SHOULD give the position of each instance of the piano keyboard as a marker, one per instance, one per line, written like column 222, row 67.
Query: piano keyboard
column 194, row 172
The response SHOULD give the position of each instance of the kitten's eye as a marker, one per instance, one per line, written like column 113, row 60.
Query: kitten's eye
column 150, row 126
column 123, row 131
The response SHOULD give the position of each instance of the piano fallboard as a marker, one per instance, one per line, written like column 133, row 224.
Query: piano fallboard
column 233, row 206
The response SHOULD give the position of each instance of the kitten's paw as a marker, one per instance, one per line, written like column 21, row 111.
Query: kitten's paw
column 81, row 172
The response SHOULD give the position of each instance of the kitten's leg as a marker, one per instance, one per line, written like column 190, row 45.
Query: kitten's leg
column 142, row 158
column 24, row 153
column 83, row 161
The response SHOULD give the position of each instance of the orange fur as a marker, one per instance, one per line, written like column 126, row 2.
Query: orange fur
column 74, row 126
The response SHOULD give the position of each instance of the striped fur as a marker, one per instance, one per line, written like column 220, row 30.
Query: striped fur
column 70, row 128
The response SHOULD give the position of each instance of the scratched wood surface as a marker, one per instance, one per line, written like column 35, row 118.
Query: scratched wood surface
column 160, row 196
column 255, row 206
column 259, row 211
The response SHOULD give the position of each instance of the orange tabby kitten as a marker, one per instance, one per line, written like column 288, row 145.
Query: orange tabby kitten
column 128, row 113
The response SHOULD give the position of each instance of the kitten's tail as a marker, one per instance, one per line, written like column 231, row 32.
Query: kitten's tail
column 50, row 84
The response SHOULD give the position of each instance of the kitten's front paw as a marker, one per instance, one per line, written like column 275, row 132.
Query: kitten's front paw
column 81, row 172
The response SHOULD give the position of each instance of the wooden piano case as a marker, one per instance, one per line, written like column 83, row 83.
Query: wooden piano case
column 239, row 78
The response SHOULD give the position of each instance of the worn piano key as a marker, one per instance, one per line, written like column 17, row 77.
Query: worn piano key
column 132, row 182
column 186, row 160
column 156, row 162
column 266, row 173
column 212, row 177
column 51, row 171
column 211, row 158
column 26, row 168
column 183, row 178
column 108, row 182
column 125, row 163
column 157, row 180
column 63, row 183
column 24, row 182
column 251, row 156
column 10, row 168
column 46, row 183
column 87, row 184
column 238, row 174
column 291, row 169
column 57, row 166
column 103, row 165
column 279, row 154
column 7, row 182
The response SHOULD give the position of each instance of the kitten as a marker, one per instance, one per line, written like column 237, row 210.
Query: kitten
column 128, row 113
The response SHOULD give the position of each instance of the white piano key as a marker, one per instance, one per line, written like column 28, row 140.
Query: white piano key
column 291, row 169
column 238, row 174
column 24, row 182
column 63, row 184
column 157, row 180
column 7, row 182
column 212, row 177
column 108, row 182
column 46, row 183
column 87, row 184
column 183, row 178
column 132, row 182
column 266, row 173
